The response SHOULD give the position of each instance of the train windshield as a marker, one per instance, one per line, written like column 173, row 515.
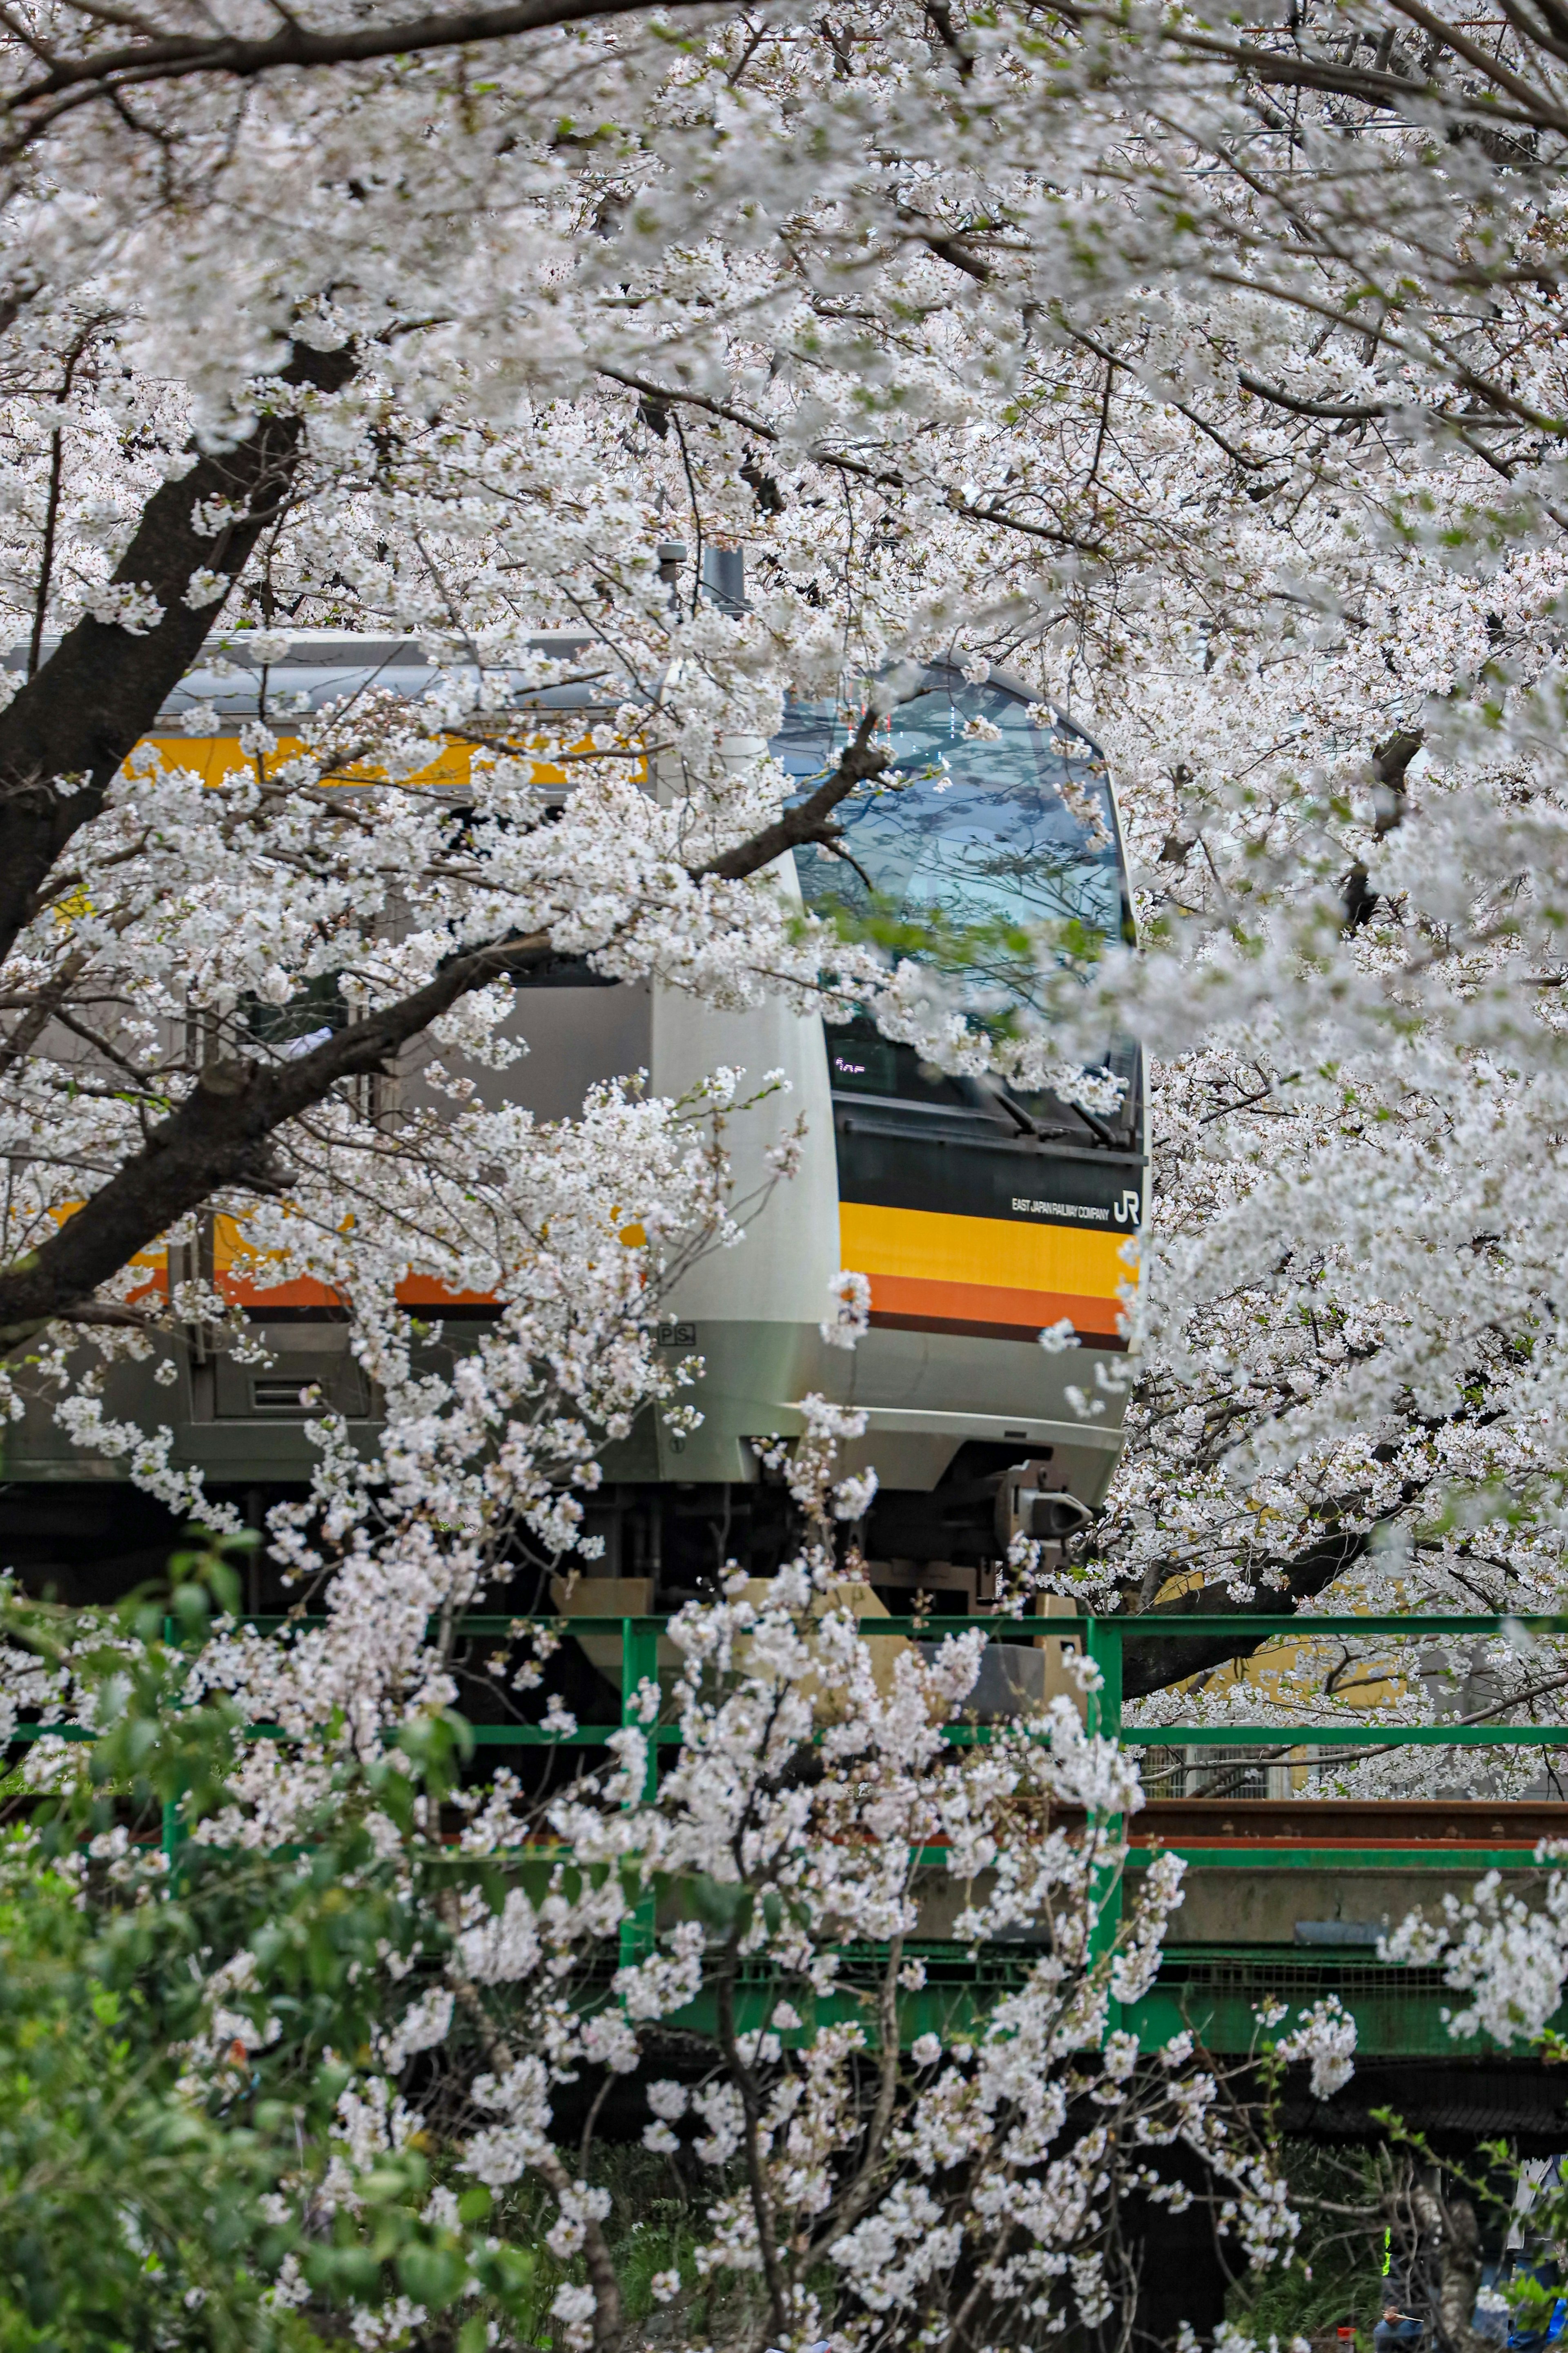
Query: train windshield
column 986, row 829
column 985, row 822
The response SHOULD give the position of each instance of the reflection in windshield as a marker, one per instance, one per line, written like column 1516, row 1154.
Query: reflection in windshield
column 979, row 838
column 968, row 834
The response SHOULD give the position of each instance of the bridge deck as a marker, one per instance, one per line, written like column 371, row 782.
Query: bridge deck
column 1261, row 1871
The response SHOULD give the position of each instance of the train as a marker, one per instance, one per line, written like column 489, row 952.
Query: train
column 979, row 1214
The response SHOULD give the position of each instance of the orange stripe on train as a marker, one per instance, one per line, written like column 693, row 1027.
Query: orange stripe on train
column 985, row 1310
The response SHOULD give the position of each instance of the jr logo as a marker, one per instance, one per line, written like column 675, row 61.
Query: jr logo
column 1126, row 1210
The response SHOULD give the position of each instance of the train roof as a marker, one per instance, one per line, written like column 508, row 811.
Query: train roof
column 322, row 666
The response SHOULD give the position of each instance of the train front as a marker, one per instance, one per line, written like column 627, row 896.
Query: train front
column 982, row 1216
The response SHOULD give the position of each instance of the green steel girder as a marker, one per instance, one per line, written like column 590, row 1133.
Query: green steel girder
column 1399, row 2014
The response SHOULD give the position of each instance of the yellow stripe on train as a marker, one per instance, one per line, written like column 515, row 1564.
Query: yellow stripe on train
column 986, row 1274
column 214, row 758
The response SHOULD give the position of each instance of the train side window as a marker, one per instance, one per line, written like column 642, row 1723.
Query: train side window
column 860, row 1064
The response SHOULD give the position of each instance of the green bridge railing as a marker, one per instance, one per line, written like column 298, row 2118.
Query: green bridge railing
column 1103, row 1639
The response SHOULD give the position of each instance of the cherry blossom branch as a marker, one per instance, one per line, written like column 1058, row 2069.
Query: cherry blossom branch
column 609, row 2324
column 1527, row 1698
column 745, row 2084
column 1152, row 1665
column 221, row 1134
column 860, row 2192
column 1375, row 87
column 879, row 477
column 1485, row 61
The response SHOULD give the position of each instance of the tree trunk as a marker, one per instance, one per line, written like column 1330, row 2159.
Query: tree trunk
column 84, row 710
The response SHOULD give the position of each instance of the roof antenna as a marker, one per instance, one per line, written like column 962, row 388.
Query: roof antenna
column 724, row 578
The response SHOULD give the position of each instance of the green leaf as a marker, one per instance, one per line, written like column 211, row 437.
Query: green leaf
column 432, row 2276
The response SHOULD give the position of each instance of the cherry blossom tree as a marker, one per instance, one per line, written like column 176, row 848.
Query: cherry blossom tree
column 1205, row 371
column 484, row 430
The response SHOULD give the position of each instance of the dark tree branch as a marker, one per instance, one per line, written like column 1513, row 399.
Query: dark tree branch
column 178, row 55
column 1155, row 1664
column 811, row 821
column 86, row 708
column 37, row 1016
column 1359, row 412
column 957, row 46
column 1475, row 53
column 957, row 255
column 221, row 1136
column 52, row 506
column 1289, row 70
column 661, row 396
column 1552, row 35
column 46, row 556
column 1293, row 69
